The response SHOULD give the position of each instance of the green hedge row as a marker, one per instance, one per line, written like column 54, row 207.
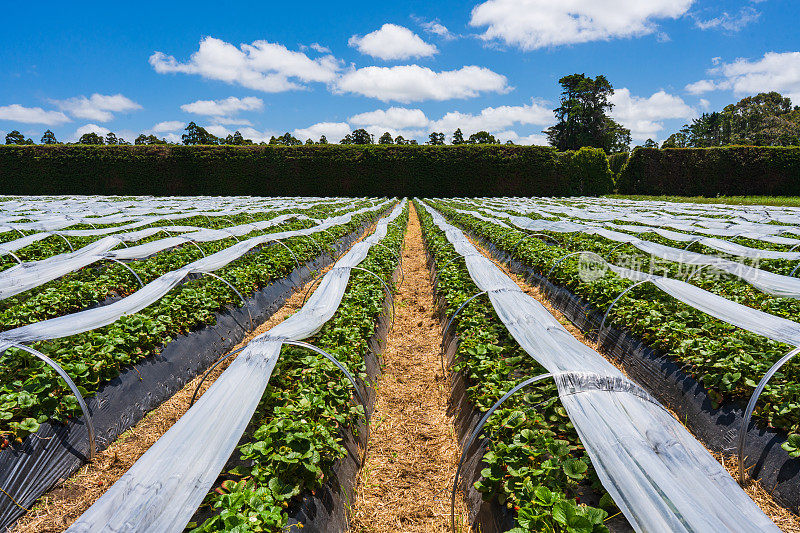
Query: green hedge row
column 728, row 171
column 331, row 170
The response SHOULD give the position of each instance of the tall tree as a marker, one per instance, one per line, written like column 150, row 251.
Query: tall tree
column 482, row 137
column 323, row 140
column 458, row 137
column 111, row 138
column 15, row 137
column 400, row 140
column 148, row 139
column 49, row 138
column 386, row 138
column 196, row 135
column 91, row 138
column 362, row 136
column 582, row 118
column 436, row 138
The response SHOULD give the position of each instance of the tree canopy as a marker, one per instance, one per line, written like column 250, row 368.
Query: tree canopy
column 582, row 118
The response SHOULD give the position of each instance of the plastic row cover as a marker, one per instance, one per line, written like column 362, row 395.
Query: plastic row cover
column 657, row 473
column 162, row 490
column 773, row 327
column 767, row 282
column 89, row 319
column 26, row 276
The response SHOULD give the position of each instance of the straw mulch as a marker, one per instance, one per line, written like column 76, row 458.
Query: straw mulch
column 413, row 452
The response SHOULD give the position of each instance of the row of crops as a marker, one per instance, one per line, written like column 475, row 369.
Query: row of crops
column 108, row 303
column 96, row 290
column 722, row 310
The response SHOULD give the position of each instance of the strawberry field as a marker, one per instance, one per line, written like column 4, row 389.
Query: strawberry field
column 637, row 331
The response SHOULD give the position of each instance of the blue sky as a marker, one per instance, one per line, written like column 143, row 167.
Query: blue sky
column 407, row 67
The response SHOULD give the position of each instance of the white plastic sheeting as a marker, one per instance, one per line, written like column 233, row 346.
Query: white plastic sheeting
column 89, row 319
column 658, row 474
column 765, row 281
column 162, row 490
column 26, row 276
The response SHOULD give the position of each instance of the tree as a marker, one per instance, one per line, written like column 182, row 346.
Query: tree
column 582, row 118
column 49, row 138
column 386, row 138
column 309, row 141
column 458, row 137
column 323, row 140
column 436, row 138
column 676, row 140
column 650, row 143
column 287, row 139
column 361, row 136
column 148, row 139
column 196, row 135
column 765, row 119
column 400, row 140
column 348, row 139
column 482, row 137
column 91, row 138
column 111, row 138
column 15, row 137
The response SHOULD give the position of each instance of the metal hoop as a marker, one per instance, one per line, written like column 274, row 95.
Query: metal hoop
column 71, row 249
column 795, row 270
column 605, row 316
column 558, row 261
column 475, row 434
column 399, row 258
column 212, row 367
column 534, row 235
column 12, row 254
column 297, row 262
column 617, row 246
column 341, row 367
column 135, row 275
column 244, row 302
column 192, row 241
column 751, row 406
column 5, row 345
column 462, row 306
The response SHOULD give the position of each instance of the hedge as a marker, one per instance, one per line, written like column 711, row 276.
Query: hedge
column 726, row 171
column 327, row 170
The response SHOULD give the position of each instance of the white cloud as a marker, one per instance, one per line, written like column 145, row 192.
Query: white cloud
column 263, row 66
column 392, row 118
column 729, row 22
column 32, row 115
column 248, row 133
column 173, row 138
column 537, row 138
column 319, row 48
column 645, row 116
column 412, row 83
column 434, row 27
column 776, row 71
column 232, row 121
column 100, row 107
column 168, row 125
column 532, row 24
column 333, row 131
column 700, row 87
column 495, row 119
column 392, row 42
column 225, row 107
column 91, row 128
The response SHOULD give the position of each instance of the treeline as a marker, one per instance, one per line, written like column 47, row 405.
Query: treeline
column 333, row 170
column 766, row 119
column 198, row 136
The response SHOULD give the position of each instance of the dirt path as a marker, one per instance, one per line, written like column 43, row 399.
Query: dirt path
column 413, row 452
